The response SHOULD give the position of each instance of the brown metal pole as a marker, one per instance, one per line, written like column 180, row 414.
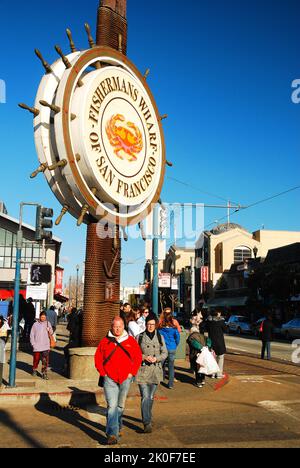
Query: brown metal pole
column 98, row 309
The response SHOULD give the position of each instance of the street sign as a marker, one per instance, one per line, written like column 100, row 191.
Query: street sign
column 104, row 153
column 174, row 285
column 164, row 280
column 204, row 275
column 37, row 293
column 40, row 273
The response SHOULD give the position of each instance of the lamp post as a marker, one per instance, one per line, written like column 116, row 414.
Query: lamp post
column 77, row 274
column 255, row 251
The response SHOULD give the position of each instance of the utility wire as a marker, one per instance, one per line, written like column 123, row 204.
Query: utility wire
column 257, row 203
column 186, row 184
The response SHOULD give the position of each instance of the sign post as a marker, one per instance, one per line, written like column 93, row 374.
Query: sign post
column 100, row 143
column 15, row 326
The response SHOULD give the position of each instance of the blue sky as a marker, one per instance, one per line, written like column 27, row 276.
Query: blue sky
column 221, row 70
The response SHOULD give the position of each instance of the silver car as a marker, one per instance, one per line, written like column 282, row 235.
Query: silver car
column 291, row 329
column 239, row 324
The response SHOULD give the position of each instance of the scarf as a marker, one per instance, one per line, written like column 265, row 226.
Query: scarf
column 151, row 335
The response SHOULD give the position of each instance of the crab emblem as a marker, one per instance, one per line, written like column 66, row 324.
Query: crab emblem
column 126, row 139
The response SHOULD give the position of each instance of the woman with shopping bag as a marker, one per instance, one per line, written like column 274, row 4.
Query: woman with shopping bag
column 207, row 363
column 215, row 326
column 197, row 342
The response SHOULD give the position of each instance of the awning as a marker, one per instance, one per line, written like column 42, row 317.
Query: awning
column 9, row 293
column 227, row 302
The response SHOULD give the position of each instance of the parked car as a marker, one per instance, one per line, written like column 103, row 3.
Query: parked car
column 239, row 324
column 291, row 329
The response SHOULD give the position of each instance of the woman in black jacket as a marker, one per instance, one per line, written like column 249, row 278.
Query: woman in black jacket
column 215, row 326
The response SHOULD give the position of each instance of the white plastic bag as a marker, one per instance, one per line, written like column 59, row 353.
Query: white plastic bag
column 207, row 362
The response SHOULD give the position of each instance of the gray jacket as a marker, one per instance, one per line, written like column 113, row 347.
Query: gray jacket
column 152, row 373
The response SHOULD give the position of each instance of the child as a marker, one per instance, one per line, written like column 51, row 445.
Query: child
column 196, row 342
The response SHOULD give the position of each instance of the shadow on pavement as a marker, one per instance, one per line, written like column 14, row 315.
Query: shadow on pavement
column 70, row 414
column 24, row 367
column 7, row 421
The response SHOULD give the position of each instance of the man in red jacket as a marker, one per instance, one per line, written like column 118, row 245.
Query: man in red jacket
column 117, row 359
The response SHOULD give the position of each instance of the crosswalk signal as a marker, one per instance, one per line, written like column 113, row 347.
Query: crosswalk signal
column 43, row 222
column 40, row 273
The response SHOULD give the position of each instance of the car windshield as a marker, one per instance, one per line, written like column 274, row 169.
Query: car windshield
column 243, row 320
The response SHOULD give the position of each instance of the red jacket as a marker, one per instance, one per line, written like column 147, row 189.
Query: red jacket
column 120, row 365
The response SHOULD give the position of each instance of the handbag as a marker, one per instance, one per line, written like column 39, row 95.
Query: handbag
column 52, row 340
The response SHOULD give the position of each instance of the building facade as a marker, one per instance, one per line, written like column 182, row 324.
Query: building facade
column 32, row 252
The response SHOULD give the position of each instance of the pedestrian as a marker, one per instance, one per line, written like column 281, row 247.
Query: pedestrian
column 29, row 318
column 117, row 359
column 74, row 326
column 167, row 312
column 197, row 318
column 134, row 329
column 267, row 332
column 3, row 340
column 169, row 331
column 124, row 312
column 52, row 318
column 150, row 375
column 145, row 311
column 215, row 325
column 40, row 341
column 196, row 342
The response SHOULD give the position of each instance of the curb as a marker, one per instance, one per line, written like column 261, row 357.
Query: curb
column 64, row 399
column 49, row 398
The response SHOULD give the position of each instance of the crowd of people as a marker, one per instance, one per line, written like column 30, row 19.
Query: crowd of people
column 139, row 346
column 39, row 334
column 142, row 347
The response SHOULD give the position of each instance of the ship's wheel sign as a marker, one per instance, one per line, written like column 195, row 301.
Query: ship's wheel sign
column 99, row 136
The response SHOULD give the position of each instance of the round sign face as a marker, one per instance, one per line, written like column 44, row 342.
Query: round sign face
column 118, row 133
column 100, row 137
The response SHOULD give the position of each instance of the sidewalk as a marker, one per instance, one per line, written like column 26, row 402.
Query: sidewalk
column 31, row 389
column 63, row 391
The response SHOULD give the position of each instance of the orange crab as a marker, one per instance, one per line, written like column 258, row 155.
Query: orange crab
column 126, row 138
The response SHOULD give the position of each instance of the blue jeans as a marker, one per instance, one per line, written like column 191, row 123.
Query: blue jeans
column 147, row 393
column 171, row 367
column 115, row 395
column 266, row 345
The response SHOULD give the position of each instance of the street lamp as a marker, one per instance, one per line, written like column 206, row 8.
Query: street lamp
column 77, row 274
column 255, row 251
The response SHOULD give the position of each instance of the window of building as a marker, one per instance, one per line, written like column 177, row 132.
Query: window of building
column 31, row 253
column 241, row 254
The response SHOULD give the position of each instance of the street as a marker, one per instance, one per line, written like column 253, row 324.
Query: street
column 257, row 405
column 251, row 345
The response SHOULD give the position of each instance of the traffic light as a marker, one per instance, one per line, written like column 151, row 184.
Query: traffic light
column 41, row 273
column 42, row 223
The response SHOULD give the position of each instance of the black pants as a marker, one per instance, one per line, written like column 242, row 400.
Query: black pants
column 200, row 378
